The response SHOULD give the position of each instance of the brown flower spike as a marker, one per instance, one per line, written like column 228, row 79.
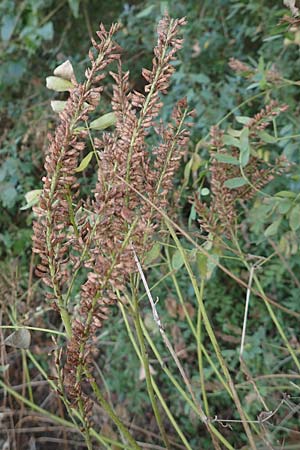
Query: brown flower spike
column 96, row 237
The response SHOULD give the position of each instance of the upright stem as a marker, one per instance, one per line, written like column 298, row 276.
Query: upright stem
column 106, row 406
column 146, row 366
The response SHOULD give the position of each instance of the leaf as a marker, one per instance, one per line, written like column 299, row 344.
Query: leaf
column 234, row 183
column 286, row 194
column 19, row 339
column 243, row 119
column 32, row 198
column 294, row 217
column 46, row 32
column 58, row 105
column 74, row 7
column 177, row 260
column 233, row 132
column 230, row 140
column 58, row 84
column 284, row 205
column 226, row 159
column 145, row 12
column 187, row 172
column 153, row 253
column 197, row 161
column 142, row 374
column 103, row 122
column 211, row 264
column 65, row 70
column 8, row 25
column 266, row 137
column 85, row 162
column 272, row 229
column 244, row 147
column 202, row 265
column 8, row 194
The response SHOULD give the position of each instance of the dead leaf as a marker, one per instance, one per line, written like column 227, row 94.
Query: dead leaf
column 190, row 310
column 19, row 339
column 171, row 306
column 142, row 374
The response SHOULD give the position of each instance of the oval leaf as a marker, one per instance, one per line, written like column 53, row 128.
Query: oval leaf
column 243, row 119
column 153, row 253
column 294, row 218
column 85, row 162
column 58, row 84
column 273, row 228
column 230, row 140
column 105, row 121
column 286, row 194
column 284, row 205
column 177, row 260
column 226, row 159
column 244, row 147
column 266, row 137
column 234, row 183
column 19, row 339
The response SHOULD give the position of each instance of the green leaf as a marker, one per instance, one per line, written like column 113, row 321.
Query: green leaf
column 286, row 194
column 272, row 229
column 284, row 205
column 202, row 265
column 58, row 84
column 103, row 122
column 8, row 25
column 196, row 162
column 187, row 172
column 153, row 254
column 234, row 183
column 266, row 137
column 74, row 7
column 230, row 140
column 243, row 119
column 32, row 197
column 294, row 218
column 8, row 194
column 85, row 162
column 244, row 147
column 226, row 159
column 177, row 260
column 46, row 31
column 145, row 12
column 206, row 265
column 233, row 132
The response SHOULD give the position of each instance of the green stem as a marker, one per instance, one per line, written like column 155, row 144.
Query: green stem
column 27, row 375
column 106, row 406
column 199, row 352
column 212, row 337
column 146, row 366
column 156, row 389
